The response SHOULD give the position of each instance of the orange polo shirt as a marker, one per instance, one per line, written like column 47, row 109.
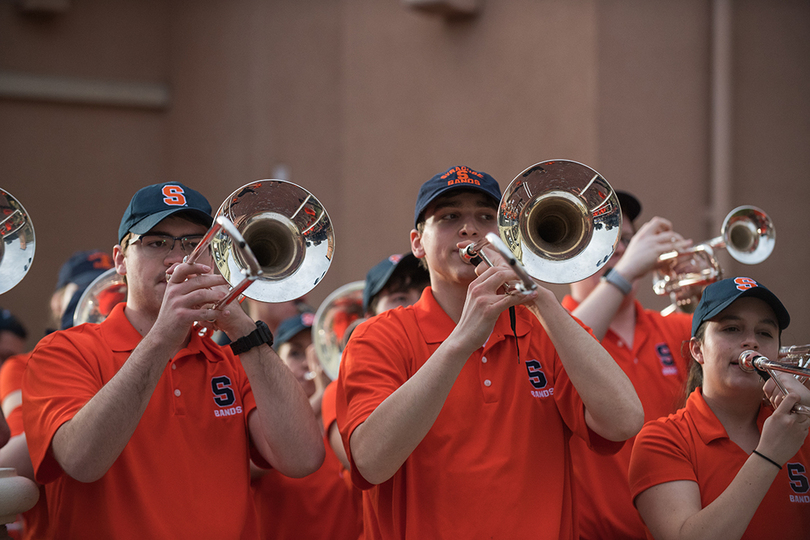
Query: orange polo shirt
column 657, row 364
column 693, row 445
column 184, row 472
column 496, row 461
column 35, row 520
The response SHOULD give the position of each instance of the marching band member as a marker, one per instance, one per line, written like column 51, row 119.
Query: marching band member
column 458, row 422
column 650, row 349
column 317, row 506
column 75, row 275
column 727, row 466
column 139, row 427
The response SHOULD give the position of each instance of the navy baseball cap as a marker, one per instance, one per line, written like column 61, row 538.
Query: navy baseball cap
column 454, row 178
column 721, row 294
column 10, row 323
column 83, row 267
column 152, row 204
column 291, row 326
column 630, row 206
column 378, row 276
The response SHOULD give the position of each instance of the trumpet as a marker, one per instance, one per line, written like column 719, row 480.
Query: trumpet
column 272, row 240
column 751, row 361
column 335, row 318
column 747, row 233
column 559, row 222
column 18, row 242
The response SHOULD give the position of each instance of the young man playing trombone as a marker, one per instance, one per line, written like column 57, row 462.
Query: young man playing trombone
column 139, row 427
column 456, row 422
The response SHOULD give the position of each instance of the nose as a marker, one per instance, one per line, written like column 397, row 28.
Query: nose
column 175, row 254
column 469, row 228
column 750, row 341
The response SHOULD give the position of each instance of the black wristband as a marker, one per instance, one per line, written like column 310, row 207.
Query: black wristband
column 261, row 335
column 766, row 458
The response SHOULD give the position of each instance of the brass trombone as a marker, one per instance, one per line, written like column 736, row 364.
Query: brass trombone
column 751, row 361
column 272, row 240
column 747, row 233
column 98, row 299
column 333, row 320
column 559, row 222
column 18, row 242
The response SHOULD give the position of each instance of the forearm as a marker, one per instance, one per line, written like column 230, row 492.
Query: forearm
column 15, row 455
column 382, row 443
column 671, row 516
column 612, row 408
column 285, row 429
column 598, row 309
column 87, row 445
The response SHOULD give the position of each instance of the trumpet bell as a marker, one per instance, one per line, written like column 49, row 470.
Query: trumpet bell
column 98, row 299
column 289, row 233
column 561, row 219
column 18, row 242
column 335, row 315
column 749, row 234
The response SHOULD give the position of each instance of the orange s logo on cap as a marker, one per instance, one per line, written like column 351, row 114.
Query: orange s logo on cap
column 744, row 283
column 174, row 196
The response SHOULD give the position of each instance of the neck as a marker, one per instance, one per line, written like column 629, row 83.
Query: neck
column 141, row 321
column 738, row 417
column 450, row 298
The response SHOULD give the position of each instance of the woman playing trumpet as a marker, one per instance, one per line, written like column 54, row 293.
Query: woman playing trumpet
column 728, row 465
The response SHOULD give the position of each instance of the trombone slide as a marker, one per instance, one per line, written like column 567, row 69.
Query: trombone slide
column 473, row 251
column 751, row 361
column 252, row 270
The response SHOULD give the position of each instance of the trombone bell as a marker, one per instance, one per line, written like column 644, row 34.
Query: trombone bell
column 287, row 230
column 333, row 319
column 18, row 242
column 561, row 220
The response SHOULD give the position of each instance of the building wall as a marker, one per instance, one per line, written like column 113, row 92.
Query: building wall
column 361, row 101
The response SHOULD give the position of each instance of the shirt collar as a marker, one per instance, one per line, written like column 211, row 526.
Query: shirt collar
column 713, row 429
column 436, row 325
column 122, row 336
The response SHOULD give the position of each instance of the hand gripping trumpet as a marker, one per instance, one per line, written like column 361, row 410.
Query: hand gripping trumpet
column 751, row 361
column 747, row 234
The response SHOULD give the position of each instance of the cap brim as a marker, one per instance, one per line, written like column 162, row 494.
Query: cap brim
column 782, row 315
column 149, row 222
column 288, row 333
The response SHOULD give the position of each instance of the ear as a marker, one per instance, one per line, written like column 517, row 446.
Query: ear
column 417, row 248
column 696, row 349
column 119, row 260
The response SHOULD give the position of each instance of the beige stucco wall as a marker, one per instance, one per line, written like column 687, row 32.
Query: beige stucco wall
column 361, row 101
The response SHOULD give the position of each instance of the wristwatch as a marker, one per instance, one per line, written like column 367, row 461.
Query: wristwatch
column 262, row 334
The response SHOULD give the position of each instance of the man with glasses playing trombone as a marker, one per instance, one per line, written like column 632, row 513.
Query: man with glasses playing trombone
column 139, row 427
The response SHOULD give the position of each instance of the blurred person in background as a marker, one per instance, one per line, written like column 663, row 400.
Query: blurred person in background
column 647, row 346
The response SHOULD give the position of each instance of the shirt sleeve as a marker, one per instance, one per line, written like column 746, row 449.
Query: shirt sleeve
column 11, row 374
column 56, row 385
column 375, row 363
column 660, row 454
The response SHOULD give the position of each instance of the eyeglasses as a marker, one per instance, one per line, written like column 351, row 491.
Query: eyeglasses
column 160, row 245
